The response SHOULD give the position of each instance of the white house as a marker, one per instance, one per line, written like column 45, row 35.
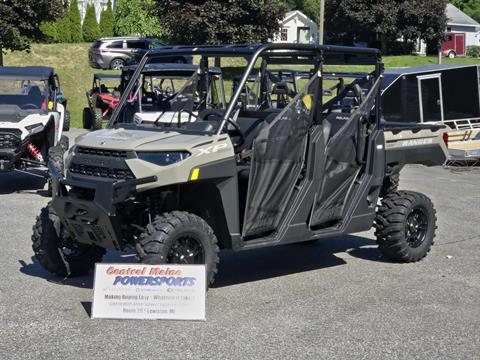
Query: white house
column 99, row 5
column 296, row 27
column 459, row 22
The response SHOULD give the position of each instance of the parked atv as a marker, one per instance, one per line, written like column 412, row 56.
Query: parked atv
column 178, row 192
column 102, row 99
column 31, row 118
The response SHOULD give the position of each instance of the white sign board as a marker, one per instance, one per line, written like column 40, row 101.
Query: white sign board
column 139, row 291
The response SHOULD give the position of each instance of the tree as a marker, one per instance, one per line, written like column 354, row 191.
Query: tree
column 217, row 21
column 20, row 20
column 90, row 26
column 75, row 22
column 106, row 21
column 133, row 17
column 64, row 34
column 384, row 22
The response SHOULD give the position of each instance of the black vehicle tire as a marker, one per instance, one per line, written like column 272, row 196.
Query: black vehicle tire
column 49, row 241
column 87, row 118
column 66, row 121
column 179, row 237
column 405, row 226
column 117, row 64
column 55, row 154
column 97, row 119
column 390, row 184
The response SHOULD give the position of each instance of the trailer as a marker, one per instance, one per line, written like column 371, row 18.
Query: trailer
column 447, row 94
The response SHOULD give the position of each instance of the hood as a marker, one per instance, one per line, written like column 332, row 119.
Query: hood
column 121, row 139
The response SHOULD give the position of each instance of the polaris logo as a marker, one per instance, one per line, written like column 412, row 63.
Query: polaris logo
column 211, row 149
column 417, row 142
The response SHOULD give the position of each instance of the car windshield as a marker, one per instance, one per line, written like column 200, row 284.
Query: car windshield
column 26, row 94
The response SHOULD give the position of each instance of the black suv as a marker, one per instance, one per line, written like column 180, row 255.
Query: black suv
column 115, row 53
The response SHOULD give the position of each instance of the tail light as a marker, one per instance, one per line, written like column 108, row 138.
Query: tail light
column 445, row 138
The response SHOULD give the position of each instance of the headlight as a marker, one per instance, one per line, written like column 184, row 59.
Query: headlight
column 35, row 128
column 163, row 158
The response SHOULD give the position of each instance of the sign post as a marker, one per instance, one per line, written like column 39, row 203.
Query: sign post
column 139, row 291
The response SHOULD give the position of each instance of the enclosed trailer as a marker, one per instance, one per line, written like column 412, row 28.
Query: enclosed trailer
column 448, row 94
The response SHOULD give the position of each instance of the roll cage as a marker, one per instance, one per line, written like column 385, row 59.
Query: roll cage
column 281, row 54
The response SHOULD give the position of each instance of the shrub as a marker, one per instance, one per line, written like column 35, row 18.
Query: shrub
column 90, row 26
column 473, row 51
column 49, row 31
column 75, row 22
column 106, row 21
column 64, row 34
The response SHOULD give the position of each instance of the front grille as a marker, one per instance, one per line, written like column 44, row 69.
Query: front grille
column 101, row 152
column 10, row 139
column 99, row 171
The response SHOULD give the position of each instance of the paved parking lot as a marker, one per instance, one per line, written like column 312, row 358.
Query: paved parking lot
column 335, row 299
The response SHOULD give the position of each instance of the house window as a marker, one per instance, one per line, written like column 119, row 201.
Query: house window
column 284, row 34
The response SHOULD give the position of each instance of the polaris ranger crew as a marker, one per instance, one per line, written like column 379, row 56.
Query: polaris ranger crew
column 178, row 192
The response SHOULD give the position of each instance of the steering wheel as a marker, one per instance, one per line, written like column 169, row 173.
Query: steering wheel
column 237, row 132
column 29, row 106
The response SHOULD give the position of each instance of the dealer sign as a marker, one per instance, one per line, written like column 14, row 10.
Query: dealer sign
column 139, row 291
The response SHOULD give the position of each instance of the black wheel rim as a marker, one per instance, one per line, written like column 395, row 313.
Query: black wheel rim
column 186, row 250
column 416, row 227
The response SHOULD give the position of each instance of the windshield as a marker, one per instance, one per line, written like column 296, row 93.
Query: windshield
column 161, row 98
column 26, row 94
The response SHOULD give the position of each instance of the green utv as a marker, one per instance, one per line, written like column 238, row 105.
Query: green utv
column 217, row 178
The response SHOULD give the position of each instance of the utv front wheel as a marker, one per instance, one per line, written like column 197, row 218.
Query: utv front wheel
column 66, row 121
column 56, row 252
column 179, row 238
column 55, row 154
column 405, row 226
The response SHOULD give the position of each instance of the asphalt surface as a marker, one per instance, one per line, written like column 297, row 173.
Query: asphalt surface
column 334, row 299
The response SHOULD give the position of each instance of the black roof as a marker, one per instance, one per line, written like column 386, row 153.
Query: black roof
column 108, row 76
column 171, row 67
column 391, row 75
column 335, row 55
column 26, row 72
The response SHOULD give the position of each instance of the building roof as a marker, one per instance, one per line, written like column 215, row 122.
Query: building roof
column 289, row 15
column 457, row 17
column 26, row 72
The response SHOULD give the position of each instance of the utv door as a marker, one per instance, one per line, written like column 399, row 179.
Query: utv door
column 344, row 158
column 278, row 158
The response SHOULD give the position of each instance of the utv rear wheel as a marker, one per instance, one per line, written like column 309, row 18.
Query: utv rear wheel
column 179, row 238
column 56, row 252
column 390, row 184
column 66, row 121
column 87, row 118
column 405, row 226
column 97, row 119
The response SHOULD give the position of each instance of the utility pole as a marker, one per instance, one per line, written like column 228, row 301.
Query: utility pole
column 321, row 22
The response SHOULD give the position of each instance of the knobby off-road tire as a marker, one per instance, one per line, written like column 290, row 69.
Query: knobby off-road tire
column 390, row 184
column 179, row 237
column 97, row 119
column 55, row 154
column 52, row 253
column 405, row 226
column 87, row 118
column 66, row 121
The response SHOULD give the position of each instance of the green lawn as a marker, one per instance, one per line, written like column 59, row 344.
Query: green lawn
column 71, row 63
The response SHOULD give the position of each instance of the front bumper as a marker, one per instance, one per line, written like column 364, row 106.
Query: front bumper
column 89, row 208
column 11, row 150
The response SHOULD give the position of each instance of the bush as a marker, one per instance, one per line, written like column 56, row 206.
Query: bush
column 64, row 34
column 75, row 22
column 90, row 26
column 106, row 21
column 473, row 51
column 49, row 31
